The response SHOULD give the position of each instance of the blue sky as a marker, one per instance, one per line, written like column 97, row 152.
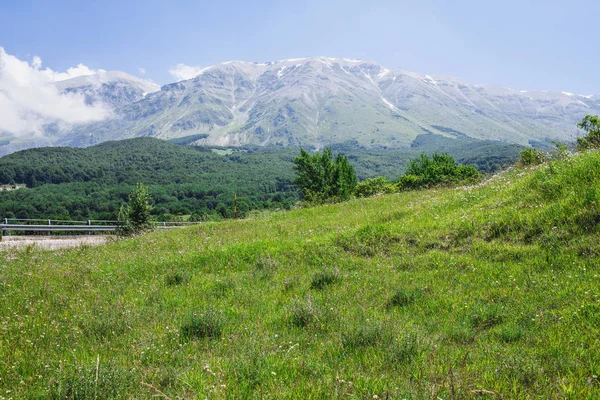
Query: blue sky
column 522, row 44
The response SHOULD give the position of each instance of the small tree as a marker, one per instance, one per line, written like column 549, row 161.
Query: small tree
column 135, row 216
column 591, row 125
column 321, row 178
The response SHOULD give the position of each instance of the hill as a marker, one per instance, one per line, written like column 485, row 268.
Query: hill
column 487, row 291
column 93, row 182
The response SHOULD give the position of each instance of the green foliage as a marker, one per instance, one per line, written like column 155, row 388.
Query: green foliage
column 591, row 125
column 139, row 207
column 322, row 178
column 439, row 170
column 135, row 216
column 371, row 187
column 561, row 150
column 92, row 183
column 368, row 241
column 532, row 156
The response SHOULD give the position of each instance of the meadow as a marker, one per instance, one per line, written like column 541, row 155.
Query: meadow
column 490, row 291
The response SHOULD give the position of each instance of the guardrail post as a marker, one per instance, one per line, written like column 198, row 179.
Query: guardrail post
column 90, row 224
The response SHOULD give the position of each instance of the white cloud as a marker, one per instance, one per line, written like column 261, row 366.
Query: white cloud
column 142, row 71
column 29, row 99
column 183, row 72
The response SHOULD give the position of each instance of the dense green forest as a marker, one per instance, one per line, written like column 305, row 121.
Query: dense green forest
column 75, row 183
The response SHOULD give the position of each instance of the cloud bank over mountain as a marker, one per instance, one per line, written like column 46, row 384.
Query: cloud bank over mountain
column 30, row 100
column 183, row 72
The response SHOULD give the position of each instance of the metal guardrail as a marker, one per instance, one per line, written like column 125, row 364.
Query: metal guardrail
column 63, row 228
column 54, row 225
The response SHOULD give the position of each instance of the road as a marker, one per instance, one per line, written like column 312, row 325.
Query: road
column 52, row 242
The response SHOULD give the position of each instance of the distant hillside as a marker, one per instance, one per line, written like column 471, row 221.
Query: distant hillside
column 94, row 182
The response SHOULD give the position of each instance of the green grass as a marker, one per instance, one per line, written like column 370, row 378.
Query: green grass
column 485, row 292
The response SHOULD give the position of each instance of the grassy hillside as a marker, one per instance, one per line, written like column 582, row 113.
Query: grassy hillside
column 94, row 182
column 485, row 292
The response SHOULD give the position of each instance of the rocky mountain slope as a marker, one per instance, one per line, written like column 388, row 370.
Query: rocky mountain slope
column 315, row 102
column 319, row 101
column 113, row 88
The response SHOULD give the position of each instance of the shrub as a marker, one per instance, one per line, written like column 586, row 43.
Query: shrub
column 561, row 152
column 467, row 174
column 373, row 186
column 440, row 169
column 529, row 157
column 206, row 325
column 410, row 182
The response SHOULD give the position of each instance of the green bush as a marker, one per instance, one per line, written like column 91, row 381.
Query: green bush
column 410, row 182
column 529, row 157
column 371, row 187
column 439, row 170
column 467, row 174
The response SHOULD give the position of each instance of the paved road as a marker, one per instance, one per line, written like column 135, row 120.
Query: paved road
column 51, row 242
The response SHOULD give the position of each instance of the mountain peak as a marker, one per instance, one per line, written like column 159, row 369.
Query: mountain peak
column 320, row 101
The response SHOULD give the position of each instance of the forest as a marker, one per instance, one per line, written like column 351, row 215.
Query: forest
column 92, row 183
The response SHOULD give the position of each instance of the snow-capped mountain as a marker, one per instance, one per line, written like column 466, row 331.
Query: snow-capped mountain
column 314, row 102
column 112, row 88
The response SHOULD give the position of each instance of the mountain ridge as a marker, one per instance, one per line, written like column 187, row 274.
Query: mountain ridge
column 319, row 101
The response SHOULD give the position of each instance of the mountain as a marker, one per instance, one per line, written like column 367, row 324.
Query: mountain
column 320, row 101
column 315, row 102
column 112, row 88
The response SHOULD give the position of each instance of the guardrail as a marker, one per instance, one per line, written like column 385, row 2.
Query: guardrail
column 55, row 225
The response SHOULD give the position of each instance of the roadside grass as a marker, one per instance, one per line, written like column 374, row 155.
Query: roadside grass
column 484, row 292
